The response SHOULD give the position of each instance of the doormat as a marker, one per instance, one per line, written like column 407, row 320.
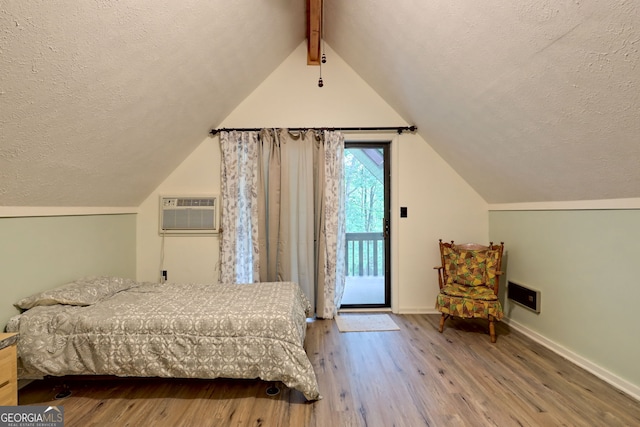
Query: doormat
column 366, row 323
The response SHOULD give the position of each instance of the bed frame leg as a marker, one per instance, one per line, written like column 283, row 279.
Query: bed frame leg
column 273, row 390
column 64, row 392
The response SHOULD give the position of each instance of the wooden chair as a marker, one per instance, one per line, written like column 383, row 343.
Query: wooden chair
column 469, row 279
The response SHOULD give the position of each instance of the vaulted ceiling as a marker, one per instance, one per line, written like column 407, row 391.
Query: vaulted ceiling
column 529, row 100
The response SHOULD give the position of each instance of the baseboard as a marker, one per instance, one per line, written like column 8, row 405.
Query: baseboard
column 365, row 310
column 417, row 310
column 619, row 383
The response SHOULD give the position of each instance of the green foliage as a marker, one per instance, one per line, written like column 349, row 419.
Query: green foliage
column 364, row 193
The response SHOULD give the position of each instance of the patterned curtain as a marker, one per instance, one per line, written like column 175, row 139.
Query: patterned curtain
column 284, row 193
column 332, row 226
column 239, row 262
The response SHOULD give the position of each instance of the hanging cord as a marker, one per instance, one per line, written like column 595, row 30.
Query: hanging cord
column 161, row 277
column 323, row 57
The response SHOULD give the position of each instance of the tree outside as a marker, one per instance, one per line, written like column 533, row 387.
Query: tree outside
column 364, row 210
column 364, row 190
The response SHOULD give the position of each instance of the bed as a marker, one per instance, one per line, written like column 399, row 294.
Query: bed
column 116, row 326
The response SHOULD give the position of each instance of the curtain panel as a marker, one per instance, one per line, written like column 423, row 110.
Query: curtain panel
column 332, row 226
column 290, row 186
column 239, row 262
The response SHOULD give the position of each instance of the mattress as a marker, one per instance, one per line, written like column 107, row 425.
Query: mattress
column 169, row 330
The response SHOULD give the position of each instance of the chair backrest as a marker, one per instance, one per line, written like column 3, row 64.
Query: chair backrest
column 472, row 264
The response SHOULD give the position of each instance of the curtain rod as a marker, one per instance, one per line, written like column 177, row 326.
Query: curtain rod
column 398, row 129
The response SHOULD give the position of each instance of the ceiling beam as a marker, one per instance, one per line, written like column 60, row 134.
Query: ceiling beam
column 314, row 31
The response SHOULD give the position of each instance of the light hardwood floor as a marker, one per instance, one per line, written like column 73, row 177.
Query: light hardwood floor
column 412, row 377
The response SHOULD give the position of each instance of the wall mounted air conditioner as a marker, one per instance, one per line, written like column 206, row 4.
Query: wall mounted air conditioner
column 188, row 215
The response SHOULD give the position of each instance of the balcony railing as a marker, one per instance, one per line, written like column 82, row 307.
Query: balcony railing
column 365, row 254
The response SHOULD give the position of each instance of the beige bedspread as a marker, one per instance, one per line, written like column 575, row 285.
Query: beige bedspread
column 174, row 330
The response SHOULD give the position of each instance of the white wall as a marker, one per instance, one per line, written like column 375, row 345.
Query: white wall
column 440, row 203
column 186, row 259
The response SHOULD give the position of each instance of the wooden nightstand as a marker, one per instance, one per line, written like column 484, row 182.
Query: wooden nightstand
column 8, row 370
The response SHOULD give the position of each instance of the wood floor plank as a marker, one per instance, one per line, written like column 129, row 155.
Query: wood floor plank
column 412, row 377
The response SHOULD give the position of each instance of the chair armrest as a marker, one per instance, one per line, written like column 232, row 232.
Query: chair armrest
column 440, row 276
column 496, row 287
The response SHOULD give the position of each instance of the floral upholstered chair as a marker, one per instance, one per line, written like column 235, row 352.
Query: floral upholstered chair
column 469, row 278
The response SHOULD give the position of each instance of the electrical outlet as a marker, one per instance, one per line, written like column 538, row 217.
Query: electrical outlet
column 164, row 275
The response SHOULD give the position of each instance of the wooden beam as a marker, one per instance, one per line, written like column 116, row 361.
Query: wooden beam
column 314, row 31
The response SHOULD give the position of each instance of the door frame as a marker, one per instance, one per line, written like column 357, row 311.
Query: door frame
column 386, row 146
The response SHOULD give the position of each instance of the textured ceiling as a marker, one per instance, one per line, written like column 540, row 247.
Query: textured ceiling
column 529, row 100
column 534, row 100
column 101, row 100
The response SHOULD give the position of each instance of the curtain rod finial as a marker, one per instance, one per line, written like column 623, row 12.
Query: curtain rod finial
column 411, row 128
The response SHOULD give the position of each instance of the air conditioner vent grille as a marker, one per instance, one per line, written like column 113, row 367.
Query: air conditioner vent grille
column 196, row 202
column 188, row 215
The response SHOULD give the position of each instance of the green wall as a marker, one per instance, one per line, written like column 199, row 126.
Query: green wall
column 38, row 253
column 586, row 264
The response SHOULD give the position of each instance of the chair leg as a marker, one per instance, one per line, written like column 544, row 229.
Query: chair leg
column 442, row 319
column 492, row 330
